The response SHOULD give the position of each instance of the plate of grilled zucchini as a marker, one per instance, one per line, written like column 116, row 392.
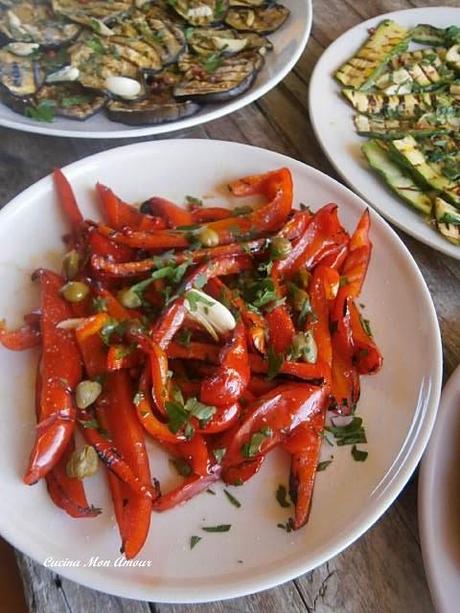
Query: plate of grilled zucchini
column 95, row 69
column 385, row 106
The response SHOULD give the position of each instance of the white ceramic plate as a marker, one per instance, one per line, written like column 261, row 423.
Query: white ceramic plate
column 400, row 402
column 439, row 502
column 332, row 119
column 289, row 42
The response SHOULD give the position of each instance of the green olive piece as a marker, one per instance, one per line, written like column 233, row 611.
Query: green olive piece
column 208, row 237
column 86, row 393
column 82, row 463
column 299, row 297
column 129, row 299
column 75, row 291
column 280, row 248
column 71, row 264
column 304, row 347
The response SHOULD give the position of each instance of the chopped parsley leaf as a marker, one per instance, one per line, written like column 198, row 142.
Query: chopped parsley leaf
column 234, row 501
column 281, row 496
column 254, row 445
column 194, row 540
column 219, row 528
column 275, row 362
column 358, row 454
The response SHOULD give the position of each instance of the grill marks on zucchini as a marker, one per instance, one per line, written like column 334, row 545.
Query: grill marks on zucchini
column 388, row 128
column 71, row 100
column 447, row 220
column 408, row 105
column 365, row 66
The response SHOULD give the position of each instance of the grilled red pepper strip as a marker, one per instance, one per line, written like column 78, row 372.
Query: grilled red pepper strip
column 195, row 451
column 301, row 370
column 255, row 323
column 321, row 237
column 133, row 510
column 25, row 337
column 60, row 373
column 91, row 345
column 225, row 417
column 67, row 199
column 120, row 214
column 240, row 473
column 122, row 356
column 190, row 487
column 281, row 329
column 366, row 354
column 357, row 261
column 210, row 213
column 194, row 351
column 276, row 186
column 304, row 445
column 345, row 378
column 102, row 247
column 232, row 376
column 156, row 428
column 171, row 213
column 271, row 418
column 67, row 493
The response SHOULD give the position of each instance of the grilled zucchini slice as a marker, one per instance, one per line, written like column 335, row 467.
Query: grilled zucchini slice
column 21, row 76
column 428, row 124
column 361, row 71
column 453, row 57
column 215, row 78
column 447, row 220
column 262, row 20
column 71, row 100
column 201, row 12
column 407, row 151
column 407, row 106
column 205, row 41
column 427, row 35
column 35, row 22
column 396, row 178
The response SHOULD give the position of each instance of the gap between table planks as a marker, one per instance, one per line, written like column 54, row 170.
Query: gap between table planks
column 383, row 571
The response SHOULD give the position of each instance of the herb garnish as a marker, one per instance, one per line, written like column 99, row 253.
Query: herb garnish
column 213, row 61
column 288, row 526
column 254, row 445
column 182, row 466
column 219, row 528
column 179, row 413
column 351, row 434
column 275, row 362
column 210, row 491
column 192, row 201
column 281, row 497
column 194, row 540
column 219, row 454
column 194, row 298
column 184, row 337
column 43, row 111
column 323, row 465
column 234, row 501
column 358, row 454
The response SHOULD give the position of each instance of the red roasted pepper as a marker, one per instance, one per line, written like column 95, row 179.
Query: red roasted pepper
column 357, row 261
column 25, row 337
column 171, row 213
column 60, row 372
column 119, row 214
column 366, row 354
column 281, row 329
column 190, row 487
column 67, row 199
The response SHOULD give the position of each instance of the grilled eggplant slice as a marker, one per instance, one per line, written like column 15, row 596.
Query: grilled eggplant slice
column 159, row 106
column 21, row 76
column 99, row 58
column 93, row 12
column 35, row 22
column 247, row 3
column 215, row 78
column 201, row 12
column 205, row 41
column 71, row 100
column 397, row 179
column 362, row 70
column 408, row 105
column 262, row 20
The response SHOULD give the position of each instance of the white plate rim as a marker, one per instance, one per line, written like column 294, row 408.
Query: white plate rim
column 430, row 550
column 400, row 475
column 254, row 93
column 430, row 238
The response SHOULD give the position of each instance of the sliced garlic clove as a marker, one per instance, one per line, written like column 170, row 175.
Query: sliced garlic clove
column 123, row 87
column 199, row 11
column 209, row 313
column 100, row 27
column 67, row 73
column 71, row 324
column 231, row 45
column 22, row 49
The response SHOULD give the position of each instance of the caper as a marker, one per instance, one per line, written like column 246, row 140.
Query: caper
column 129, row 298
column 208, row 237
column 304, row 347
column 71, row 264
column 86, row 393
column 303, row 277
column 280, row 248
column 75, row 291
column 82, row 463
column 299, row 298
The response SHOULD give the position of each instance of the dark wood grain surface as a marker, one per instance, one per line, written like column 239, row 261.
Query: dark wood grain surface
column 383, row 571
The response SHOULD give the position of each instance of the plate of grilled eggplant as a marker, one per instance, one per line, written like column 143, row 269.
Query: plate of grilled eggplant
column 96, row 69
column 385, row 106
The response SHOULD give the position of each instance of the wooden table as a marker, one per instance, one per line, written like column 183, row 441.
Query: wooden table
column 383, row 571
